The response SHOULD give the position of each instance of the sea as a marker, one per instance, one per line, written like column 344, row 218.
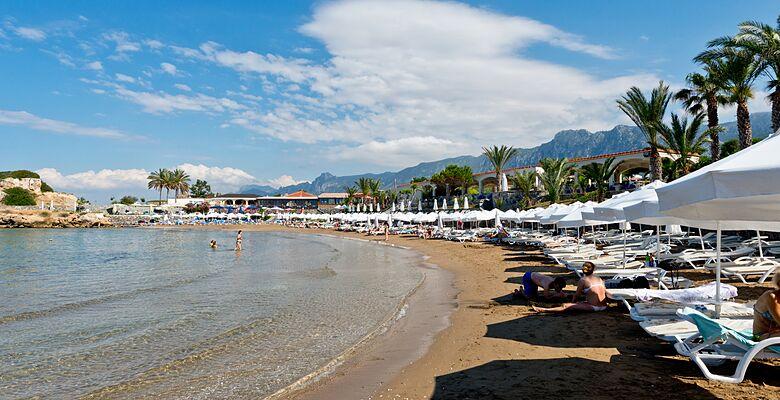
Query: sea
column 138, row 313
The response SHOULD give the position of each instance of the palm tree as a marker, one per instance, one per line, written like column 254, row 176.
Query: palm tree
column 762, row 41
column 599, row 174
column 683, row 139
column 157, row 180
column 705, row 92
column 556, row 173
column 499, row 157
column 375, row 185
column 647, row 114
column 351, row 191
column 364, row 184
column 180, row 182
column 525, row 183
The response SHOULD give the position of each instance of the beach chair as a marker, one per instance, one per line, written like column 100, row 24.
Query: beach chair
column 746, row 266
column 675, row 330
column 716, row 343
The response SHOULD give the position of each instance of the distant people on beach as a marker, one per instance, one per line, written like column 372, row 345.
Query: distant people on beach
column 387, row 232
column 213, row 244
column 239, row 241
column 766, row 318
column 532, row 281
column 591, row 287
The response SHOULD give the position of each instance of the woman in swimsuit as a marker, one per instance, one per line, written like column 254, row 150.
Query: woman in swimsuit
column 239, row 239
column 766, row 318
column 532, row 281
column 591, row 287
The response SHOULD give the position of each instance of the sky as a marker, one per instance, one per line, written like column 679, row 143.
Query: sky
column 97, row 94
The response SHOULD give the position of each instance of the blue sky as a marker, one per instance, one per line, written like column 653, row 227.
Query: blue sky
column 95, row 95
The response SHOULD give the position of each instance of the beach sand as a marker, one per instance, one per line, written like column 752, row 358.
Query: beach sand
column 498, row 348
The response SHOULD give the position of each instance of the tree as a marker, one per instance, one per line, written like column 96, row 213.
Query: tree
column 179, row 182
column 599, row 174
column 705, row 93
column 200, row 189
column 499, row 157
column 556, row 172
column 763, row 41
column 351, row 191
column 128, row 200
column 525, row 183
column 683, row 139
column 647, row 114
column 738, row 70
column 376, row 190
column 364, row 185
column 158, row 180
column 82, row 201
column 454, row 176
column 732, row 146
column 16, row 196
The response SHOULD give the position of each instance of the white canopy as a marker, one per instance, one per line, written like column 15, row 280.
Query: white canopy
column 455, row 205
column 614, row 210
column 466, row 203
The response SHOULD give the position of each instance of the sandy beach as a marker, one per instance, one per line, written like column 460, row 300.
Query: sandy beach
column 498, row 348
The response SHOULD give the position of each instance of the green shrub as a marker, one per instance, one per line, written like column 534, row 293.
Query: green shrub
column 19, row 174
column 45, row 187
column 18, row 197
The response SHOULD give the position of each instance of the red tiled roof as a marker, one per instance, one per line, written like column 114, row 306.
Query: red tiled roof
column 300, row 193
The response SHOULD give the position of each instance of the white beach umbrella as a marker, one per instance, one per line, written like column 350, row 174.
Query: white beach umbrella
column 497, row 217
column 378, row 208
column 614, row 210
column 402, row 206
column 371, row 207
column 465, row 203
column 441, row 221
column 444, row 204
column 435, row 205
column 455, row 205
column 419, row 205
column 504, row 183
column 392, row 208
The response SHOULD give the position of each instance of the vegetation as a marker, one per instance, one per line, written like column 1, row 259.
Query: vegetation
column 128, row 200
column 17, row 196
column 364, row 186
column 525, row 183
column 202, row 207
column 22, row 174
column 705, row 93
column 556, row 172
column 200, row 189
column 454, row 176
column 351, row 191
column 176, row 180
column 647, row 115
column 683, row 139
column 499, row 157
column 599, row 175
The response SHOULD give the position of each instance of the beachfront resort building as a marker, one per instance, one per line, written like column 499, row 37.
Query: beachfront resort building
column 331, row 201
column 297, row 200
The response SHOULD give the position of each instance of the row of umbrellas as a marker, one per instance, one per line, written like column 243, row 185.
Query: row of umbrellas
column 407, row 205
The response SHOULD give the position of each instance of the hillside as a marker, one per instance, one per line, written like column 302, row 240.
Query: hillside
column 567, row 143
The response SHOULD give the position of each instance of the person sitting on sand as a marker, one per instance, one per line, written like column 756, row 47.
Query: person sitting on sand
column 213, row 244
column 532, row 281
column 766, row 318
column 591, row 287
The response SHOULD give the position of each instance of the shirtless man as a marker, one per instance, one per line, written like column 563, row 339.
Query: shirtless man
column 591, row 287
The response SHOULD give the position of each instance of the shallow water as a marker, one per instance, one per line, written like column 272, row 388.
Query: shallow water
column 130, row 313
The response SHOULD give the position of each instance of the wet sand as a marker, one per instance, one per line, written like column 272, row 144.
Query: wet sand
column 498, row 348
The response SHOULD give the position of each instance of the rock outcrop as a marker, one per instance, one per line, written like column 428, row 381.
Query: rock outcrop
column 14, row 218
column 49, row 200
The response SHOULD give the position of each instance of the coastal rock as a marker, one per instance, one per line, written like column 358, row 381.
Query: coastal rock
column 13, row 218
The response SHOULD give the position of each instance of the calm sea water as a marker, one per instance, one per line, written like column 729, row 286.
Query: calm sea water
column 132, row 313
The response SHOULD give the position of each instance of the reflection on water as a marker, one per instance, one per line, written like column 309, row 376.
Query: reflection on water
column 130, row 313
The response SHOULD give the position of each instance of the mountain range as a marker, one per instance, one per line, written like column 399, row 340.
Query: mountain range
column 566, row 143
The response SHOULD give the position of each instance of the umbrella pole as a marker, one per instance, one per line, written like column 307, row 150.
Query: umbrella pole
column 657, row 244
column 760, row 248
column 717, row 273
column 701, row 239
column 624, row 245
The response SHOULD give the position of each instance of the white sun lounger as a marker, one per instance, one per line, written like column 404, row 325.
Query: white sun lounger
column 716, row 343
column 673, row 330
column 658, row 310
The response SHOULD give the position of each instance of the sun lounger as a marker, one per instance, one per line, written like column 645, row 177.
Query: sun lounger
column 716, row 343
column 667, row 310
column 674, row 330
column 747, row 266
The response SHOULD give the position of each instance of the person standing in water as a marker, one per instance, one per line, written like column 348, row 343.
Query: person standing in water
column 213, row 244
column 239, row 240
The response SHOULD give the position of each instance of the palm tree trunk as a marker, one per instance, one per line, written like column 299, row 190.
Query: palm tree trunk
column 775, row 97
column 712, row 123
column 655, row 163
column 743, row 124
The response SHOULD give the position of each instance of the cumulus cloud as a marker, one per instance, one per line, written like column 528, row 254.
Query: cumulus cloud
column 125, row 78
column 169, row 68
column 396, row 152
column 220, row 178
column 32, row 121
column 123, row 44
column 183, row 87
column 282, row 181
column 162, row 102
column 95, row 180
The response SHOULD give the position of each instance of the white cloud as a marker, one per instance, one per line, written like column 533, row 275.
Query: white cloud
column 33, row 34
column 220, row 178
column 282, row 181
column 169, row 68
column 91, row 180
column 23, row 118
column 162, row 102
column 154, row 44
column 125, row 78
column 123, row 44
column 95, row 66
column 397, row 152
column 183, row 87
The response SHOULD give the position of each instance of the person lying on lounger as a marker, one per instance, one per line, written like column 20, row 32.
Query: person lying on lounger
column 532, row 281
column 766, row 318
column 591, row 287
